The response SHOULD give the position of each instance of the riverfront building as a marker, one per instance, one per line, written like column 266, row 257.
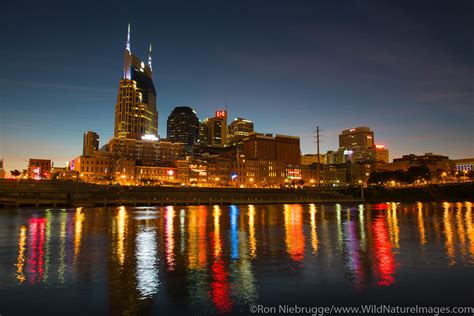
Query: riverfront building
column 39, row 169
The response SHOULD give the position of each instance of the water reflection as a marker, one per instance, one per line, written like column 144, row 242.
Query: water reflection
column 220, row 258
column 20, row 275
column 147, row 261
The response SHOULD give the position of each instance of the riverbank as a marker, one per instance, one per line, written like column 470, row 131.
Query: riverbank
column 55, row 193
column 72, row 194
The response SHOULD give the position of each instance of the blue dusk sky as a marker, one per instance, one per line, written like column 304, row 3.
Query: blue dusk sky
column 403, row 68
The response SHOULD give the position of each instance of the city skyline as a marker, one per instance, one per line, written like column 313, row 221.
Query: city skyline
column 46, row 124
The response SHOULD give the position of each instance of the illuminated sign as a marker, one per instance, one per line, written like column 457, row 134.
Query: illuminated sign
column 380, row 146
column 37, row 173
column 348, row 152
column 221, row 114
column 149, row 137
column 352, row 130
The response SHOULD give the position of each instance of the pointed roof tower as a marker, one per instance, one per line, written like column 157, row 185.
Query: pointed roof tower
column 127, row 59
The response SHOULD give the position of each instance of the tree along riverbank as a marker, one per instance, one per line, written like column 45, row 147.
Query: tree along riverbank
column 434, row 192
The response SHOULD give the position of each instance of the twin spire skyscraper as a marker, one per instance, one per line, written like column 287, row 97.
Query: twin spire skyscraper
column 136, row 115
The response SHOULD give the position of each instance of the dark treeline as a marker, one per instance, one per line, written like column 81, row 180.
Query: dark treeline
column 410, row 176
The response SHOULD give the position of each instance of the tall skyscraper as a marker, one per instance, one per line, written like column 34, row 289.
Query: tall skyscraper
column 359, row 137
column 238, row 129
column 183, row 126
column 136, row 115
column 213, row 130
column 90, row 144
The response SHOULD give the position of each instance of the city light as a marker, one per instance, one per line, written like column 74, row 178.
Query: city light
column 149, row 137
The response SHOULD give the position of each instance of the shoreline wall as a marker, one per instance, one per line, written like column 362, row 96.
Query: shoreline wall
column 15, row 193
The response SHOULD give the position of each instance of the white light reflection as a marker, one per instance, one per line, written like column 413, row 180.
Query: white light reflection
column 147, row 262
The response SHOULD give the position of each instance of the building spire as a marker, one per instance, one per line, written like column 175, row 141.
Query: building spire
column 128, row 39
column 127, row 60
column 149, row 58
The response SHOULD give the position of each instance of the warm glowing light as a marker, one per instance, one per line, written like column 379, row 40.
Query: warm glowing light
column 449, row 235
column 380, row 146
column 169, row 238
column 470, row 230
column 170, row 172
column 151, row 137
column 78, row 231
column 339, row 227
column 121, row 219
column 252, row 239
column 421, row 224
column 20, row 276
column 314, row 231
column 221, row 114
column 294, row 237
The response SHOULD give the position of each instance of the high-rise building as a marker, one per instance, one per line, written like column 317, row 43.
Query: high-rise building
column 90, row 144
column 238, row 129
column 213, row 130
column 136, row 115
column 183, row 126
column 359, row 137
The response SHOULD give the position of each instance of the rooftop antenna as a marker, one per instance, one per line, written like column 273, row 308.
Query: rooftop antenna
column 149, row 58
column 128, row 39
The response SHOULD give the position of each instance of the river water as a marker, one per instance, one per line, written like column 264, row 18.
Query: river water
column 224, row 259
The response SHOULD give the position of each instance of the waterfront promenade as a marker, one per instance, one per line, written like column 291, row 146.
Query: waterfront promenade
column 53, row 193
column 15, row 193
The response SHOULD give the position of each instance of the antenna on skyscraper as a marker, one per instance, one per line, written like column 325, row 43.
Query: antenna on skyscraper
column 149, row 58
column 128, row 38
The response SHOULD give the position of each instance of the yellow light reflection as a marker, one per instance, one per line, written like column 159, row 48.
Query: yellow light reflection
column 252, row 239
column 339, row 227
column 421, row 223
column 197, row 256
column 20, row 276
column 448, row 233
column 469, row 229
column 169, row 238
column 78, row 231
column 121, row 219
column 217, row 235
column 363, row 236
column 396, row 229
column 460, row 229
column 314, row 232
